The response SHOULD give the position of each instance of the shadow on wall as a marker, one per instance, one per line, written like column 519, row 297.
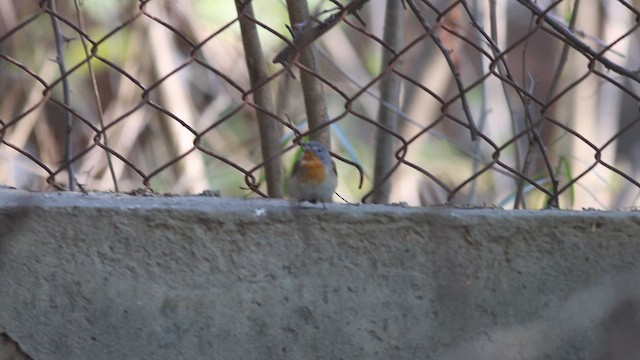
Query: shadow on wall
column 10, row 350
column 611, row 309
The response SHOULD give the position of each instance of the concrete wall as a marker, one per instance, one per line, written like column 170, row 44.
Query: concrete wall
column 118, row 277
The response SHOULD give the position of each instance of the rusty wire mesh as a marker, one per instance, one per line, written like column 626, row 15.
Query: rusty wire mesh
column 521, row 104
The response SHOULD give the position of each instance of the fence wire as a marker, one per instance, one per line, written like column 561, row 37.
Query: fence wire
column 521, row 104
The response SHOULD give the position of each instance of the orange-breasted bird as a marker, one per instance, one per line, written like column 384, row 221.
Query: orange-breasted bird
column 314, row 176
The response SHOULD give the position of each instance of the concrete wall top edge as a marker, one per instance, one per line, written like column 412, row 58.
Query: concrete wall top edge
column 11, row 198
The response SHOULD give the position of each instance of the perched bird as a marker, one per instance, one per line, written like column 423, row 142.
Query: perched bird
column 314, row 176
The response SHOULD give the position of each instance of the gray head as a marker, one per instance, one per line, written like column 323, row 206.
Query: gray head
column 318, row 148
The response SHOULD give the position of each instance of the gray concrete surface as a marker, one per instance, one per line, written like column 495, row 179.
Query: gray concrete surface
column 106, row 276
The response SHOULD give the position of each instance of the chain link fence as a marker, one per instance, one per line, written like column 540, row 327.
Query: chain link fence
column 519, row 104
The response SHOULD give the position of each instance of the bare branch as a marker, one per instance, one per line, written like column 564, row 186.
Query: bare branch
column 66, row 93
column 304, row 33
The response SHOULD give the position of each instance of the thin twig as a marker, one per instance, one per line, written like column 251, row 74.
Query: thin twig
column 304, row 33
column 504, row 73
column 564, row 55
column 390, row 93
column 571, row 38
column 525, row 164
column 454, row 68
column 68, row 147
column 312, row 88
column 270, row 129
column 96, row 96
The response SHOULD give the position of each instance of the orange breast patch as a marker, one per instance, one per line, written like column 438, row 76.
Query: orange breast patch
column 314, row 171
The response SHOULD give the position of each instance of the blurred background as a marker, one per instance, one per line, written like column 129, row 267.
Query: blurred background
column 511, row 103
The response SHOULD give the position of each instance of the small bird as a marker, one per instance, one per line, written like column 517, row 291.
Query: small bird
column 314, row 176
